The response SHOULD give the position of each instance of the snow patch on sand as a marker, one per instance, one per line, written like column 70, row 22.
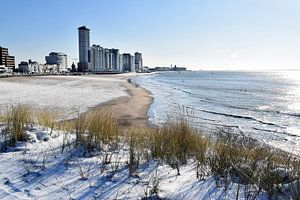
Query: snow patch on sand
column 67, row 94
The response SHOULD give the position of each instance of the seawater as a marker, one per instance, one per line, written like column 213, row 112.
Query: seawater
column 262, row 105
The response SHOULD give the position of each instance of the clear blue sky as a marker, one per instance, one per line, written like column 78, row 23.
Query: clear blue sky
column 199, row 34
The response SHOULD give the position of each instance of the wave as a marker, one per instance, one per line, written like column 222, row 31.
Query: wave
column 237, row 116
column 205, row 119
column 249, row 109
column 275, row 131
column 214, row 125
column 212, row 101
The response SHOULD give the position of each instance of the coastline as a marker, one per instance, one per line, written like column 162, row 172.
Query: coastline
column 129, row 108
column 149, row 155
column 130, row 111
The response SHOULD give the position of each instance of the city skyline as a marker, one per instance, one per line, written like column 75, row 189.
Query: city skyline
column 196, row 34
column 100, row 59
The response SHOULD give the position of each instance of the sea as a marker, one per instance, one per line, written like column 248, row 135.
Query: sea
column 264, row 105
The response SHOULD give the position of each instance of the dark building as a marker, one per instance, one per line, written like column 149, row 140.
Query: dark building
column 175, row 68
column 6, row 59
column 138, row 61
column 84, row 49
column 24, row 67
column 128, row 62
column 115, row 59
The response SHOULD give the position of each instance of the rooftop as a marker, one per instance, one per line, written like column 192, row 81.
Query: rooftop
column 57, row 54
column 83, row 28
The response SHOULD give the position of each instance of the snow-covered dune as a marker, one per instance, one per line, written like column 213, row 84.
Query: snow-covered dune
column 66, row 94
column 40, row 170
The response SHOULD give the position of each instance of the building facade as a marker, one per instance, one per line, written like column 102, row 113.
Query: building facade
column 132, row 63
column 84, row 48
column 107, row 60
column 59, row 59
column 138, row 61
column 6, row 59
column 128, row 63
column 23, row 67
column 31, row 67
column 99, row 59
column 95, row 63
column 115, row 60
column 3, row 69
column 121, row 63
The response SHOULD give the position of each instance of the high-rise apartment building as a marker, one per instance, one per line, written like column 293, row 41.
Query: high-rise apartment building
column 138, row 61
column 6, row 59
column 107, row 60
column 102, row 59
column 115, row 59
column 84, row 48
column 99, row 59
column 132, row 63
column 128, row 62
column 95, row 63
column 121, row 69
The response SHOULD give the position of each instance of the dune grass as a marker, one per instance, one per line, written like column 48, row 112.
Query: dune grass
column 229, row 157
column 46, row 118
column 16, row 118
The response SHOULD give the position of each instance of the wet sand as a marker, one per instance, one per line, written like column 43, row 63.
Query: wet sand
column 130, row 111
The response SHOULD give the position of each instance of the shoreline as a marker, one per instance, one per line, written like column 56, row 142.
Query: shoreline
column 132, row 110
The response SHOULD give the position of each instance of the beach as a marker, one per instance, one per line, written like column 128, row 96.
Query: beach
column 94, row 159
column 68, row 95
column 130, row 110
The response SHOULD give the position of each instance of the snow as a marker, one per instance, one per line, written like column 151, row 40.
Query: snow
column 40, row 170
column 64, row 94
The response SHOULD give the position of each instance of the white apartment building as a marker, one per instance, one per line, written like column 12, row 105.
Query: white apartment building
column 59, row 59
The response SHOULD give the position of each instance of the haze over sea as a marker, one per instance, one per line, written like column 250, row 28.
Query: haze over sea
column 263, row 105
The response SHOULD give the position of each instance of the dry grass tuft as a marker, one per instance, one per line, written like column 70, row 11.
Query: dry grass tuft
column 176, row 142
column 80, row 125
column 17, row 118
column 102, row 128
column 46, row 118
column 2, row 118
column 230, row 157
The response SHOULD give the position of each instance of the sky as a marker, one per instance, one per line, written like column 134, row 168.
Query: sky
column 198, row 34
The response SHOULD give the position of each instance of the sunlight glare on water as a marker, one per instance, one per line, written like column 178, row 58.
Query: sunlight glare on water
column 263, row 105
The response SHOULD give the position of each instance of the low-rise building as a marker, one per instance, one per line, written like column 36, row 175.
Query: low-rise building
column 51, row 69
column 3, row 69
column 162, row 68
column 59, row 59
column 175, row 68
column 24, row 67
column 31, row 67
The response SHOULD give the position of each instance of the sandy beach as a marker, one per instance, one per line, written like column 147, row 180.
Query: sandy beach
column 67, row 94
column 130, row 110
